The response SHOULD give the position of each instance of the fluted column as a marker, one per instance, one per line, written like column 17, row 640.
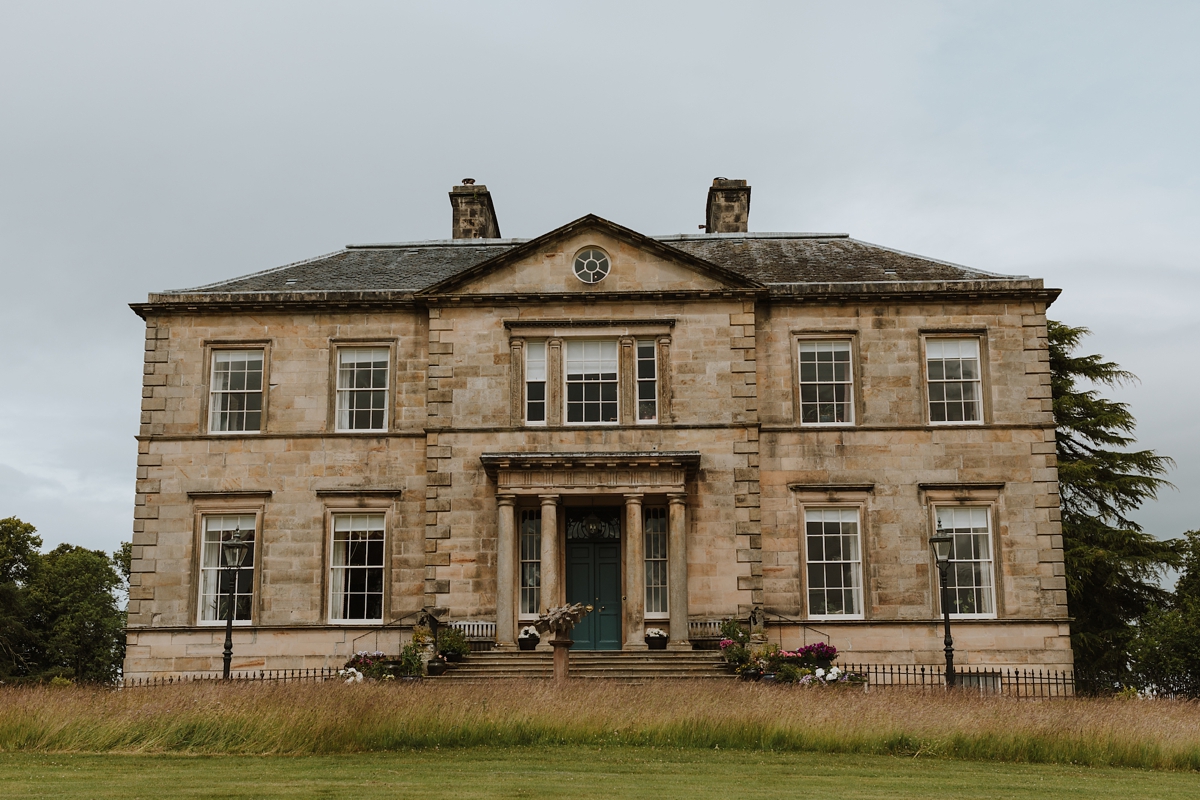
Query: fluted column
column 677, row 571
column 634, row 607
column 506, row 570
column 551, row 581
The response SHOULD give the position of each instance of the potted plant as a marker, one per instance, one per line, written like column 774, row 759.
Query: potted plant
column 656, row 639
column 436, row 665
column 453, row 644
column 528, row 638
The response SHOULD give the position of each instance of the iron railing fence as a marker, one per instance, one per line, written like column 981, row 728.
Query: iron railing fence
column 1004, row 681
column 311, row 675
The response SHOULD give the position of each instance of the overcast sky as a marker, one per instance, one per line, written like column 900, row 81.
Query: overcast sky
column 157, row 145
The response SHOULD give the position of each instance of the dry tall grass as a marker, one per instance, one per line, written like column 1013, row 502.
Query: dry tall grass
column 333, row 718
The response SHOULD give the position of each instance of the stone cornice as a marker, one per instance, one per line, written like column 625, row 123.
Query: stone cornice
column 802, row 293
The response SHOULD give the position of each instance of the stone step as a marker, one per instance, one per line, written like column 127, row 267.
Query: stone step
column 619, row 665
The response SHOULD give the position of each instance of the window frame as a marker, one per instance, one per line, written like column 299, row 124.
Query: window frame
column 557, row 333
column 990, row 511
column 665, row 614
column 535, row 513
column 806, row 588
column 852, row 403
column 336, row 346
column 856, row 390
column 545, row 381
column 327, row 583
column 638, row 343
column 980, row 337
column 212, row 347
column 218, row 506
column 566, row 383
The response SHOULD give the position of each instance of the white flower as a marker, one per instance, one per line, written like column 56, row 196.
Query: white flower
column 656, row 633
column 820, row 672
column 354, row 675
column 833, row 674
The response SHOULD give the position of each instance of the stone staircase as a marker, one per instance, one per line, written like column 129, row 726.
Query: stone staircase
column 621, row 665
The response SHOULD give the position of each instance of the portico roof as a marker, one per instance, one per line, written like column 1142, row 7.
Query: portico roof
column 687, row 459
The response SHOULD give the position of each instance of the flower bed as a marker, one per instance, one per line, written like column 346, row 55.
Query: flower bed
column 811, row 665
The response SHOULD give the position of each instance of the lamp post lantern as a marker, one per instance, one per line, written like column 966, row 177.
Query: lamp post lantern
column 233, row 551
column 942, row 545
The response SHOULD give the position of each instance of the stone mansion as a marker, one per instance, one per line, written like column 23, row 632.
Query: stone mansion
column 677, row 429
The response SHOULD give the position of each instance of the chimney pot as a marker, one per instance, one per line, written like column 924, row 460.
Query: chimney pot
column 474, row 214
column 728, row 207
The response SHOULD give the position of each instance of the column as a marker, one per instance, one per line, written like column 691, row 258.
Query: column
column 551, row 584
column 506, row 570
column 634, row 607
column 627, row 381
column 554, row 384
column 677, row 571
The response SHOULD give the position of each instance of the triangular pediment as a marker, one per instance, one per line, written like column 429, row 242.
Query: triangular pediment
column 635, row 263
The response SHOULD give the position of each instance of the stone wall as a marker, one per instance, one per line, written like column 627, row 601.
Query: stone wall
column 728, row 365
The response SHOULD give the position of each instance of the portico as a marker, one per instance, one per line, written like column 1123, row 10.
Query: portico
column 605, row 497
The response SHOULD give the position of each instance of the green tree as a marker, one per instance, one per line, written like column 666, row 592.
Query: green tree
column 1113, row 566
column 19, row 645
column 71, row 593
column 1166, row 648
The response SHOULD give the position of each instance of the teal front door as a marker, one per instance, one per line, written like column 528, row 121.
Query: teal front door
column 594, row 576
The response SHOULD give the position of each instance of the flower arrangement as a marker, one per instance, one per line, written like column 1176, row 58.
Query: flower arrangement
column 656, row 633
column 812, row 656
column 366, row 664
column 528, row 638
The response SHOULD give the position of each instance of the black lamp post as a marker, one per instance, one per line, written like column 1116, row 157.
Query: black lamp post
column 233, row 550
column 942, row 544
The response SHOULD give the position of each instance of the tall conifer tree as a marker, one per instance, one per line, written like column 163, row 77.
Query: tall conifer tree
column 1112, row 565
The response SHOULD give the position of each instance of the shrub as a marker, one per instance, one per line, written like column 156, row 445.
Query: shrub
column 452, row 641
column 735, row 654
column 732, row 630
column 410, row 659
column 789, row 673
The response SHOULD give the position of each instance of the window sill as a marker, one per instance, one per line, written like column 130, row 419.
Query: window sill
column 234, row 433
column 237, row 623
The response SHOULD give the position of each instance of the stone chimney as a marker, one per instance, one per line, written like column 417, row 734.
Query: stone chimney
column 474, row 215
column 728, row 207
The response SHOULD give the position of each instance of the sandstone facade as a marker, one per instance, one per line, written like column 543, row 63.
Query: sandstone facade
column 729, row 461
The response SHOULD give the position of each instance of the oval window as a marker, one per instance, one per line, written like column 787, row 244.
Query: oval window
column 591, row 265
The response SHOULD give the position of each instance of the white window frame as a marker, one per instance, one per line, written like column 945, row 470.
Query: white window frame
column 980, row 511
column 615, row 382
column 342, row 394
column 846, row 513
column 834, row 345
column 937, row 343
column 639, row 382
column 661, row 562
column 339, row 589
column 534, row 367
column 529, row 555
column 215, row 394
column 240, row 519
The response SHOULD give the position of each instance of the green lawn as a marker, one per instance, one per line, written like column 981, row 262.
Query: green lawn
column 576, row 772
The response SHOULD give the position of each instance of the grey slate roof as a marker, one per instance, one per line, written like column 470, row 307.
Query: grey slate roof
column 771, row 258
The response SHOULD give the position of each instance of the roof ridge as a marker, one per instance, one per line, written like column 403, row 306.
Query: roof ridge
column 437, row 243
column 702, row 237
